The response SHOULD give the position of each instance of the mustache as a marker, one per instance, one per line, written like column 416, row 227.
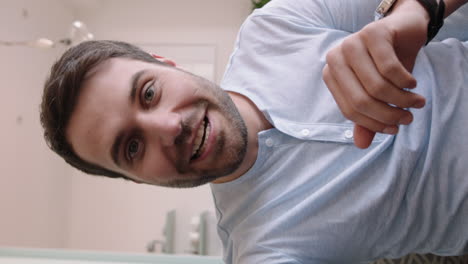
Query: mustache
column 183, row 136
column 180, row 142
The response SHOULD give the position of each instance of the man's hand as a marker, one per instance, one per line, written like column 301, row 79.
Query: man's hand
column 369, row 71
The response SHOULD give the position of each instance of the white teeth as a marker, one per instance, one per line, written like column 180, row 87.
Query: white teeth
column 207, row 136
column 198, row 139
column 197, row 146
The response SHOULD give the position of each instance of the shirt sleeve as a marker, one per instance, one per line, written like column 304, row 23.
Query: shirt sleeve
column 281, row 51
column 345, row 15
column 455, row 26
column 351, row 15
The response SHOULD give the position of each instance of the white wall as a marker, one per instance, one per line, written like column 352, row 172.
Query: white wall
column 43, row 202
column 213, row 22
column 116, row 215
column 33, row 181
column 123, row 216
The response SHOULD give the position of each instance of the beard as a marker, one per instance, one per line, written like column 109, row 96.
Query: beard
column 229, row 148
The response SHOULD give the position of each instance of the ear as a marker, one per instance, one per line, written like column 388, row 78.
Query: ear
column 165, row 60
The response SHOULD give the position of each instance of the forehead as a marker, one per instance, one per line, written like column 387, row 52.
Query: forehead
column 113, row 69
column 102, row 109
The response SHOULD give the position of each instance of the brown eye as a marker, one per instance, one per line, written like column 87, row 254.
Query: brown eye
column 148, row 95
column 133, row 148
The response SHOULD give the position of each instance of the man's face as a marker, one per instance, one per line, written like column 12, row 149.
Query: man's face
column 156, row 124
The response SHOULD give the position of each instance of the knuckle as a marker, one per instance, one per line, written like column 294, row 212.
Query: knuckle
column 388, row 68
column 360, row 103
column 349, row 45
column 349, row 113
column 369, row 31
column 331, row 57
column 377, row 89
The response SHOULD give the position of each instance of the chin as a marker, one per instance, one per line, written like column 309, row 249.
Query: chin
column 188, row 183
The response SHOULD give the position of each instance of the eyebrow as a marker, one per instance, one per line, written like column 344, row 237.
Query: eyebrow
column 116, row 146
column 134, row 85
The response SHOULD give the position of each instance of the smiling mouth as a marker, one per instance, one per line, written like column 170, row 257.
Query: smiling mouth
column 199, row 145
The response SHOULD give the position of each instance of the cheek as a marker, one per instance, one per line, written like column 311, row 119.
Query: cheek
column 156, row 169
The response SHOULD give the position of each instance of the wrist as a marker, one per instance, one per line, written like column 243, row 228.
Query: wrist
column 413, row 7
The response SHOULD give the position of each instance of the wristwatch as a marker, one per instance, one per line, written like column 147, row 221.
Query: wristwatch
column 436, row 15
column 384, row 7
column 436, row 10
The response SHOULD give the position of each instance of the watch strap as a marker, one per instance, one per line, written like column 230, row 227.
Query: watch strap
column 436, row 16
column 384, row 7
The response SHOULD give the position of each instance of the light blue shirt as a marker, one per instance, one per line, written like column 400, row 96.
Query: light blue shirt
column 312, row 196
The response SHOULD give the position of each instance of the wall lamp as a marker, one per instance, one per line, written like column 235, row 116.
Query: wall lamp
column 77, row 34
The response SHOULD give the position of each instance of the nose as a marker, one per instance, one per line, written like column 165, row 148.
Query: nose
column 163, row 126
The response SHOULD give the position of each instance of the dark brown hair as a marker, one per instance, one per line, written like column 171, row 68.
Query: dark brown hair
column 62, row 88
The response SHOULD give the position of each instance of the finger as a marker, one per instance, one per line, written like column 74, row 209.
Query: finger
column 348, row 111
column 358, row 101
column 362, row 136
column 375, row 126
column 380, row 46
column 359, row 59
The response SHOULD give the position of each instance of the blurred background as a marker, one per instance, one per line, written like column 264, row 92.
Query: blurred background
column 45, row 203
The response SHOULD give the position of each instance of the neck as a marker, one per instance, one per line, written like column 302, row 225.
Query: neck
column 255, row 122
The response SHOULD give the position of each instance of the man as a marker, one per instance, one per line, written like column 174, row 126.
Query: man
column 289, row 185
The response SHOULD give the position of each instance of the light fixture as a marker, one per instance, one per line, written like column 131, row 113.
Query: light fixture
column 77, row 34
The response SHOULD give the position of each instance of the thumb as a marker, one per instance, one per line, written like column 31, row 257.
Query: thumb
column 362, row 136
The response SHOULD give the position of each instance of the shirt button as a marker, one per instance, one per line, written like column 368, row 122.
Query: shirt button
column 348, row 134
column 305, row 132
column 269, row 142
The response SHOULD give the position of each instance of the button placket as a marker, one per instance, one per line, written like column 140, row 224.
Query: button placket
column 348, row 134
column 269, row 142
